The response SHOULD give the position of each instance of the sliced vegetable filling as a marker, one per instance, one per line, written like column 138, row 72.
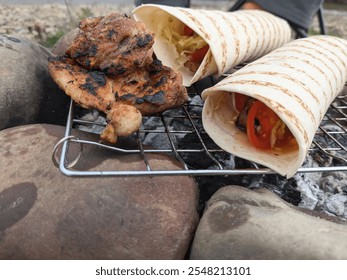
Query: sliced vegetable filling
column 190, row 47
column 265, row 130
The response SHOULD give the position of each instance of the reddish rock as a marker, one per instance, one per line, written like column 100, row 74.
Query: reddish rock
column 47, row 215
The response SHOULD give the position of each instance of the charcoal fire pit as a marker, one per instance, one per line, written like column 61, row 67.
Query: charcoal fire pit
column 320, row 184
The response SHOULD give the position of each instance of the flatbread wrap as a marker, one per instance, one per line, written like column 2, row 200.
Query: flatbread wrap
column 287, row 92
column 199, row 43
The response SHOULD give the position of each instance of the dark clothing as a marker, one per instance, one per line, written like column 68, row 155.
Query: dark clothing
column 179, row 3
column 297, row 12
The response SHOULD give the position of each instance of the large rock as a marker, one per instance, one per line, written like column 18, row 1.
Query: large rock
column 239, row 223
column 28, row 93
column 47, row 215
column 64, row 42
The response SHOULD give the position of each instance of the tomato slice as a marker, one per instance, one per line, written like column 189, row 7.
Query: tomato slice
column 260, row 122
column 187, row 31
column 240, row 101
column 199, row 54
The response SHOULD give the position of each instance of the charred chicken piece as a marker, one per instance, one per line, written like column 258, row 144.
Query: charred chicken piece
column 110, row 67
column 148, row 90
column 152, row 89
column 114, row 44
column 89, row 89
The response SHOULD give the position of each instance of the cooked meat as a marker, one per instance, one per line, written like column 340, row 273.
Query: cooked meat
column 89, row 89
column 122, row 120
column 152, row 89
column 114, row 44
column 110, row 67
column 148, row 90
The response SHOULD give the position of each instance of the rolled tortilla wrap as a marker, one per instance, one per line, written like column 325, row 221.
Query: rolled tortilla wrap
column 298, row 82
column 232, row 37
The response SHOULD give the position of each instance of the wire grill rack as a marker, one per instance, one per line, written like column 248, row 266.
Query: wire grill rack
column 183, row 136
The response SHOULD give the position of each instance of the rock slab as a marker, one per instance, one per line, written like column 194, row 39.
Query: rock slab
column 47, row 215
column 240, row 223
column 27, row 93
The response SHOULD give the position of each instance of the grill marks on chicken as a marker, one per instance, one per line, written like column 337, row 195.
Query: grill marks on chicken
column 114, row 44
column 152, row 89
column 89, row 89
column 90, row 74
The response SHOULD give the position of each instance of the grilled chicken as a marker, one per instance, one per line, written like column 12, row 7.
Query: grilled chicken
column 148, row 90
column 110, row 67
column 114, row 44
column 152, row 89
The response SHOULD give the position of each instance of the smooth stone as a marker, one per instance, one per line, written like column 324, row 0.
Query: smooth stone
column 28, row 94
column 47, row 215
column 240, row 223
column 64, row 42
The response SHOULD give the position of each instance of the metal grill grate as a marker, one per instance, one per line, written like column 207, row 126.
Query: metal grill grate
column 181, row 132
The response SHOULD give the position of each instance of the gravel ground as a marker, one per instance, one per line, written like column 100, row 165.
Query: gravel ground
column 44, row 23
column 334, row 23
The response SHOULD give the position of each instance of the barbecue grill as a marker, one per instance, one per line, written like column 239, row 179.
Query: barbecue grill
column 182, row 136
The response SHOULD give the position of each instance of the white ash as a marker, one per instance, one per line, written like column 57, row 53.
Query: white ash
column 324, row 192
column 336, row 205
column 334, row 182
column 196, row 104
column 158, row 138
column 227, row 162
column 311, row 195
column 94, row 122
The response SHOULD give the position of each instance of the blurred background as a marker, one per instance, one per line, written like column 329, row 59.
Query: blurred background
column 46, row 21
